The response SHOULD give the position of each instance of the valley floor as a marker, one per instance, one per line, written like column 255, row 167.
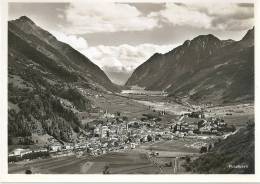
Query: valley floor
column 170, row 156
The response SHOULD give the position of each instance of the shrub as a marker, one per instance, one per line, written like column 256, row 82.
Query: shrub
column 203, row 149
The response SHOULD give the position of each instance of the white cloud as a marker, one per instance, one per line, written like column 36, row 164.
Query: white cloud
column 223, row 16
column 228, row 16
column 94, row 17
column 183, row 15
column 76, row 42
column 123, row 59
column 106, row 17
column 225, row 9
column 234, row 25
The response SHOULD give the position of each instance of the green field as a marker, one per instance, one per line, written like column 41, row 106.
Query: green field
column 131, row 162
column 127, row 107
column 173, row 146
column 125, row 163
column 62, row 165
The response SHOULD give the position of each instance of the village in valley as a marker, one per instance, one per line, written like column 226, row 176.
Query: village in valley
column 105, row 132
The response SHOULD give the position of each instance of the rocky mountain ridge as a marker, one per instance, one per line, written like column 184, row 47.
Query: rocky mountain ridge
column 205, row 69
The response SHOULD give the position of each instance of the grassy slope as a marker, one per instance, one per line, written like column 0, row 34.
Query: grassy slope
column 236, row 150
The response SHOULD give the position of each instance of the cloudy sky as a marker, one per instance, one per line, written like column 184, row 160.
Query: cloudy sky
column 118, row 37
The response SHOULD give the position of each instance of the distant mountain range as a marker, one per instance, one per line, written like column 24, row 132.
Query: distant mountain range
column 46, row 78
column 202, row 70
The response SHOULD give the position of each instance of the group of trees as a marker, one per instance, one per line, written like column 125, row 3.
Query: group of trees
column 58, row 128
column 205, row 149
column 151, row 116
column 42, row 105
column 74, row 96
column 35, row 155
column 16, row 125
column 65, row 113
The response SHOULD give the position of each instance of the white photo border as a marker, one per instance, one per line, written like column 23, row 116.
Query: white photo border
column 202, row 178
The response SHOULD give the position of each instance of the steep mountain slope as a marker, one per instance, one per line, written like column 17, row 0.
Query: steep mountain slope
column 204, row 69
column 25, row 32
column 154, row 72
column 235, row 155
column 49, row 82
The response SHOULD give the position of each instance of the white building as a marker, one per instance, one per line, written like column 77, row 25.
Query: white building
column 56, row 147
column 132, row 145
column 20, row 152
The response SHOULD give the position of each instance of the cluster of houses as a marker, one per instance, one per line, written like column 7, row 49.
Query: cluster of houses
column 117, row 136
column 208, row 126
column 112, row 133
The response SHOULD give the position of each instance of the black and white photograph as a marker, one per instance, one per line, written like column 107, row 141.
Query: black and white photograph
column 136, row 88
